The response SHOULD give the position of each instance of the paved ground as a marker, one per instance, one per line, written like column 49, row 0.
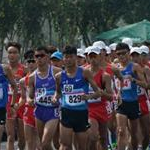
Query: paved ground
column 3, row 146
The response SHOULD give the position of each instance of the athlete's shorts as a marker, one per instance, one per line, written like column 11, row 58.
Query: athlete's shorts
column 2, row 116
column 19, row 112
column 28, row 117
column 46, row 113
column 75, row 119
column 102, row 112
column 129, row 109
column 144, row 106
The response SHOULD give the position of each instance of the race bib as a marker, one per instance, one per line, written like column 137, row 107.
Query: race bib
column 126, row 84
column 43, row 98
column 117, row 84
column 1, row 92
column 74, row 99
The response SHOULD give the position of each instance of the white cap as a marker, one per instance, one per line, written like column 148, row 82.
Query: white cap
column 108, row 50
column 94, row 49
column 135, row 49
column 128, row 41
column 144, row 49
column 80, row 52
column 100, row 44
column 87, row 49
column 113, row 46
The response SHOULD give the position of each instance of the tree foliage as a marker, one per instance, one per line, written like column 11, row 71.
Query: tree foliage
column 36, row 22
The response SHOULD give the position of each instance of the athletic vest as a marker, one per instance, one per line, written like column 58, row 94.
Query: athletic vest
column 17, row 76
column 3, row 88
column 45, row 89
column 72, row 89
column 129, row 89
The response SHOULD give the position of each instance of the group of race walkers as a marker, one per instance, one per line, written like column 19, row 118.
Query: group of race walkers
column 96, row 98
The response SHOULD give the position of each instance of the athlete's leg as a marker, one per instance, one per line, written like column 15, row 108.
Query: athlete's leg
column 103, row 131
column 48, row 134
column 144, row 124
column 93, row 136
column 10, row 128
column 20, row 134
column 133, row 131
column 30, row 137
column 66, row 135
column 81, row 138
column 121, row 131
column 56, row 138
column 1, row 133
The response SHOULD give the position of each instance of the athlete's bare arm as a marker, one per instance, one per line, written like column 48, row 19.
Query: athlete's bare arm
column 147, row 76
column 107, row 92
column 31, row 88
column 140, row 75
column 23, row 92
column 57, row 94
column 12, row 82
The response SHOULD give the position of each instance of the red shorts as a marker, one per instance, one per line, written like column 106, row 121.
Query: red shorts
column 19, row 112
column 102, row 111
column 28, row 116
column 144, row 105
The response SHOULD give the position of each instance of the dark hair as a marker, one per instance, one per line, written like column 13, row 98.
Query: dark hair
column 70, row 50
column 42, row 48
column 14, row 44
column 146, row 43
column 51, row 49
column 121, row 46
column 29, row 54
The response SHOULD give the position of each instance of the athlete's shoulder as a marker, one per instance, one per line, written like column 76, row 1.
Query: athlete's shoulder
column 56, row 69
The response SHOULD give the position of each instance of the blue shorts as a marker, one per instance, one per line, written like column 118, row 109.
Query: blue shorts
column 46, row 114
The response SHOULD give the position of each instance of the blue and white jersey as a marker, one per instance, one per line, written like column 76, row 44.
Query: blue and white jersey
column 72, row 90
column 3, row 88
column 129, row 89
column 45, row 89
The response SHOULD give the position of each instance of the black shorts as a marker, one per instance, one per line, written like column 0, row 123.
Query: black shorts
column 2, row 116
column 129, row 109
column 75, row 119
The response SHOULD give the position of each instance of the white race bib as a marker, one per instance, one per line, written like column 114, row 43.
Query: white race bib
column 74, row 99
column 43, row 98
column 126, row 84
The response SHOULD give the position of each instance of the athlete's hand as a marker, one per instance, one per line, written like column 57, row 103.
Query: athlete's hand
column 12, row 112
column 119, row 99
column 55, row 99
column 85, row 97
column 30, row 102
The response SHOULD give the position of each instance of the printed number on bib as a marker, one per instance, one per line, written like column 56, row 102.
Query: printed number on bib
column 126, row 84
column 68, row 88
column 45, row 100
column 74, row 100
column 1, row 92
column 140, row 90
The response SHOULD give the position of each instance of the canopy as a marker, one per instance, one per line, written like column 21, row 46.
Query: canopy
column 138, row 32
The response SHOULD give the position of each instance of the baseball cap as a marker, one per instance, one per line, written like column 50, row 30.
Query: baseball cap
column 128, row 41
column 108, row 50
column 80, row 52
column 135, row 50
column 144, row 49
column 100, row 44
column 57, row 55
column 94, row 49
column 113, row 46
column 87, row 49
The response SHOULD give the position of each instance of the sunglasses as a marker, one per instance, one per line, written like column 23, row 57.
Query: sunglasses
column 31, row 61
column 39, row 55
